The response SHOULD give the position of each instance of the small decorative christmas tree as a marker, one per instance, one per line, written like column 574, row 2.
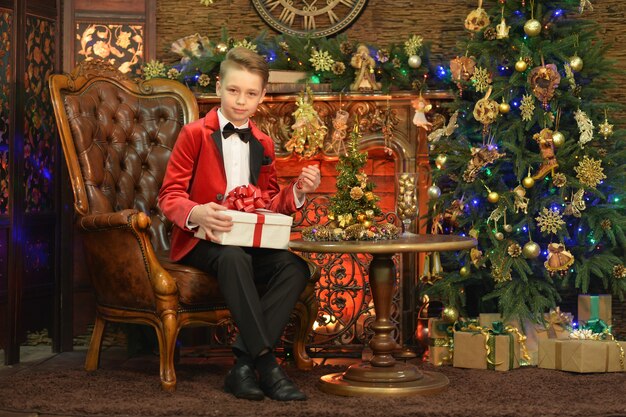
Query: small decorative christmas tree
column 354, row 207
column 354, row 200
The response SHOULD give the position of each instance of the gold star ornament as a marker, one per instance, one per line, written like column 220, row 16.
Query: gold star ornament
column 606, row 129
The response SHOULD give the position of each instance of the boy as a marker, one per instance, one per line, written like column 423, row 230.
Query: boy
column 211, row 157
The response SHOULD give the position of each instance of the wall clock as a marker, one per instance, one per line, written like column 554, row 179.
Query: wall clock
column 314, row 18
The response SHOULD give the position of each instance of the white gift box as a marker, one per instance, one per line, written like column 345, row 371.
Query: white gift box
column 260, row 229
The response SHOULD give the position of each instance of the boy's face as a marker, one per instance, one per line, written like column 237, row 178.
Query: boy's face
column 240, row 93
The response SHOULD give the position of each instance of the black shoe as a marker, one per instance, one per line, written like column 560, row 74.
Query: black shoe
column 277, row 386
column 242, row 383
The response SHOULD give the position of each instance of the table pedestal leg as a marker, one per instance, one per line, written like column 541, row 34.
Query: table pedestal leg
column 383, row 375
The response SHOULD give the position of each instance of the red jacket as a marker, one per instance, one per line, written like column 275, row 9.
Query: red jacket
column 195, row 175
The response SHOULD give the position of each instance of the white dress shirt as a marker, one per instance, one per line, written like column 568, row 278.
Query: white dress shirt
column 236, row 155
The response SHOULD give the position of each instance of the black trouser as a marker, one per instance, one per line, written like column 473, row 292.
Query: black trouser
column 260, row 319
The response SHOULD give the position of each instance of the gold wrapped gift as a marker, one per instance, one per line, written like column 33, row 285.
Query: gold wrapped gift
column 533, row 332
column 581, row 356
column 484, row 350
column 558, row 323
column 594, row 307
column 440, row 342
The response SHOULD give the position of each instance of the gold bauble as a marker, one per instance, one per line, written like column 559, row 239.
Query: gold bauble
column 361, row 217
column 558, row 138
column 576, row 63
column 504, row 107
column 532, row 27
column 528, row 182
column 221, row 48
column 493, row 197
column 521, row 66
column 531, row 250
column 367, row 223
column 464, row 271
column 508, row 228
column 499, row 235
column 440, row 160
column 415, row 61
column 450, row 314
column 434, row 192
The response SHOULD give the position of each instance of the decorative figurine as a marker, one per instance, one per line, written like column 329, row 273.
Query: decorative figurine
column 365, row 79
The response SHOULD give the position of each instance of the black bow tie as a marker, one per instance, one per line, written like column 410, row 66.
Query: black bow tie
column 244, row 134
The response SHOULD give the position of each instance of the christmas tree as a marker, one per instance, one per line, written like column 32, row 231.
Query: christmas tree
column 353, row 209
column 534, row 169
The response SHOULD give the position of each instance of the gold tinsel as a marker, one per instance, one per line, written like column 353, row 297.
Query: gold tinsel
column 550, row 220
column 514, row 250
column 559, row 180
column 590, row 172
column 355, row 232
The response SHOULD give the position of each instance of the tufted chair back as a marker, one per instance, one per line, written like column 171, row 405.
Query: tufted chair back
column 117, row 136
column 123, row 141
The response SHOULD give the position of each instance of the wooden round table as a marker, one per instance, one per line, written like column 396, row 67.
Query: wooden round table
column 382, row 375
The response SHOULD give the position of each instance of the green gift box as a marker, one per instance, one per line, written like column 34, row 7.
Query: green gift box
column 480, row 348
column 594, row 307
column 581, row 356
column 533, row 332
column 440, row 342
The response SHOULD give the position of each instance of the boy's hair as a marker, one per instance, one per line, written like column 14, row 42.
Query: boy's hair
column 244, row 58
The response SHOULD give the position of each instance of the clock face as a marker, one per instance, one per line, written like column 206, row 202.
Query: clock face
column 315, row 18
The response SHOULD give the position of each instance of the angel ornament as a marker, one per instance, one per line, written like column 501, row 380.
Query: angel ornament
column 309, row 130
column 340, row 125
column 521, row 201
column 421, row 106
column 546, row 147
column 365, row 64
column 448, row 130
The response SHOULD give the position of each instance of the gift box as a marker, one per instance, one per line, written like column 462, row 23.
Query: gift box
column 581, row 356
column 483, row 349
column 261, row 229
column 440, row 342
column 594, row 307
column 558, row 323
column 533, row 332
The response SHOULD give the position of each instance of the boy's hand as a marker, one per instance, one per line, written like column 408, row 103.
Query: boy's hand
column 308, row 181
column 211, row 219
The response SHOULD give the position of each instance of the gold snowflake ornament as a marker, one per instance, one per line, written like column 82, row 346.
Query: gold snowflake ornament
column 527, row 107
column 413, row 45
column 246, row 44
column 606, row 129
column 550, row 220
column 321, row 60
column 153, row 69
column 481, row 79
column 590, row 172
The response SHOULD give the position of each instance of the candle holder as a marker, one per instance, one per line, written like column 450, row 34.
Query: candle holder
column 406, row 200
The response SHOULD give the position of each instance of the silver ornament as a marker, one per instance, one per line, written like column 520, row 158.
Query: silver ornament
column 415, row 61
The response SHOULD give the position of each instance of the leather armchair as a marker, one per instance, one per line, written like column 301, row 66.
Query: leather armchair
column 117, row 136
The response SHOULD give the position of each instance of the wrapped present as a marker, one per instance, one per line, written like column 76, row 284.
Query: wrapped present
column 478, row 347
column 533, row 332
column 440, row 340
column 594, row 307
column 262, row 229
column 253, row 226
column 558, row 323
column 581, row 355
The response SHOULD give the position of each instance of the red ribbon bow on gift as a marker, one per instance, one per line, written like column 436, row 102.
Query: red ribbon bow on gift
column 247, row 198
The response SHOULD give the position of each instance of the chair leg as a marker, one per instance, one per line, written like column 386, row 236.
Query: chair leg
column 93, row 353
column 306, row 312
column 167, row 345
